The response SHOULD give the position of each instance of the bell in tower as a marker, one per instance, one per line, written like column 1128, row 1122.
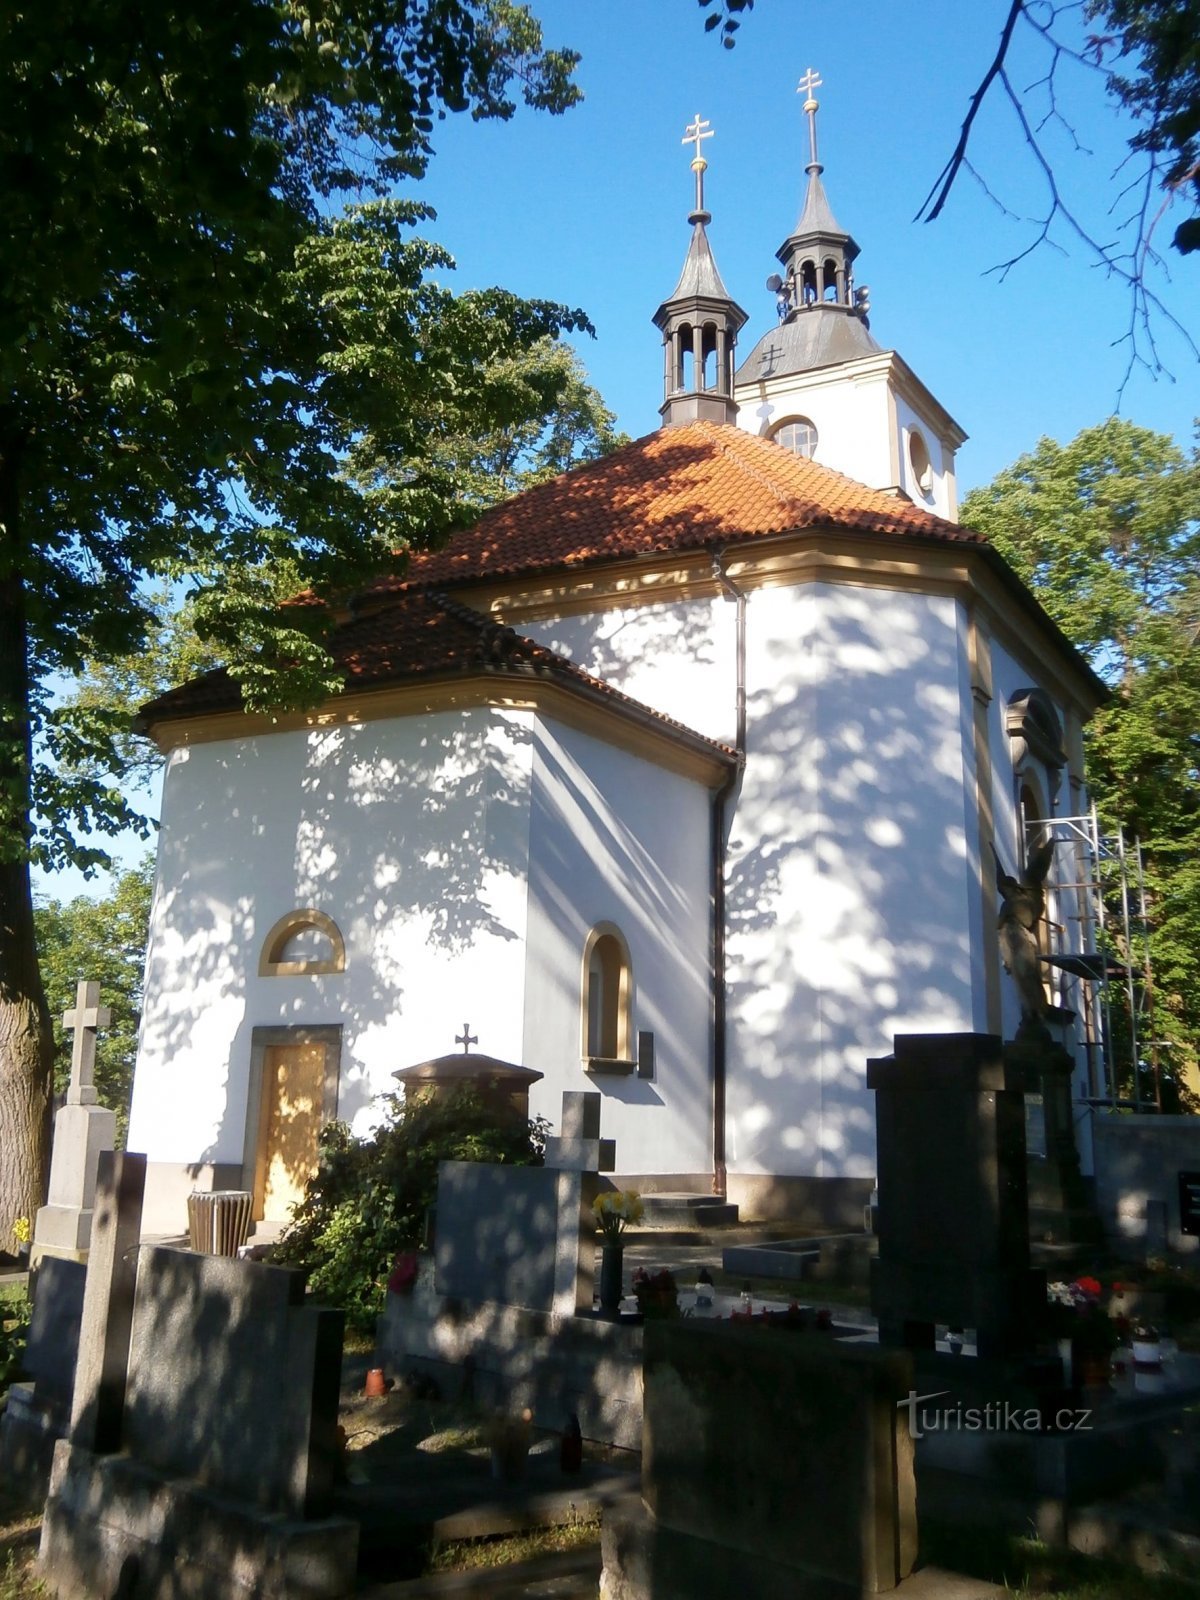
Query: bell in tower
column 699, row 322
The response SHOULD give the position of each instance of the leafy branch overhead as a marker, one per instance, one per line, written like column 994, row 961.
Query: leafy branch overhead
column 1140, row 52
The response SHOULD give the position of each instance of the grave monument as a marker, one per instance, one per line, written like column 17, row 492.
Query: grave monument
column 82, row 1130
column 507, row 1306
column 203, row 1438
column 953, row 1202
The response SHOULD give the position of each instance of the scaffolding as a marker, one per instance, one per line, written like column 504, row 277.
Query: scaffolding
column 1096, row 943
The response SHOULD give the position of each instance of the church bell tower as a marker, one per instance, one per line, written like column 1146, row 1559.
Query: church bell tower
column 821, row 385
column 699, row 322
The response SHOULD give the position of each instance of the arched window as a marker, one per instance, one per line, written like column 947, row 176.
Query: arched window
column 798, row 435
column 302, row 943
column 607, row 996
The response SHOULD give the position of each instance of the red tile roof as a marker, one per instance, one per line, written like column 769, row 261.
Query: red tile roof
column 421, row 634
column 678, row 489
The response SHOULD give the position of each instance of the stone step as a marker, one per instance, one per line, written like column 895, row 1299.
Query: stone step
column 670, row 1210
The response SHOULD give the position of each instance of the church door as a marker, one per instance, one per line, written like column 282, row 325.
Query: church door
column 296, row 1095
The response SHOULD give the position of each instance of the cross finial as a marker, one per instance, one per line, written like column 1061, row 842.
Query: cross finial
column 807, row 84
column 466, row 1038
column 696, row 131
column 87, row 1016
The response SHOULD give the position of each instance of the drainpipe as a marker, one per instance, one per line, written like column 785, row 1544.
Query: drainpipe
column 717, row 868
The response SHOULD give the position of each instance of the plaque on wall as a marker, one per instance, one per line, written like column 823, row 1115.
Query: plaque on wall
column 1189, row 1202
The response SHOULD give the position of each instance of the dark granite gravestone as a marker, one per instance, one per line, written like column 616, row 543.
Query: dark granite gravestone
column 1061, row 1209
column 773, row 1463
column 38, row 1411
column 953, row 1205
column 1189, row 1202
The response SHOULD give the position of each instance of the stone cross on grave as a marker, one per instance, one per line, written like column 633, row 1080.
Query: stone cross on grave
column 466, row 1038
column 83, row 1129
column 87, row 1017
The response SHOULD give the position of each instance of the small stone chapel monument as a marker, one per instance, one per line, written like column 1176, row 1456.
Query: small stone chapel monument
column 82, row 1130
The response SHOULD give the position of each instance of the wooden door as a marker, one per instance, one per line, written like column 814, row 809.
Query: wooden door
column 292, row 1106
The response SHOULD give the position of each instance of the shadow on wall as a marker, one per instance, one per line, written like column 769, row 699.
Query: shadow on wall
column 595, row 860
column 408, row 843
column 848, row 877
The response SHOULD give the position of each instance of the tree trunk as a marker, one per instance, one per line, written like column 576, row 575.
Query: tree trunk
column 26, row 1040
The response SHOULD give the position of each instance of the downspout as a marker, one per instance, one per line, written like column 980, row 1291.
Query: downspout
column 717, row 869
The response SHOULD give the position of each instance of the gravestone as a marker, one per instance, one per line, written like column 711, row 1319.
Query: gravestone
column 82, row 1130
column 1060, row 1207
column 507, row 1307
column 953, row 1205
column 103, row 1359
column 38, row 1410
column 526, row 1236
column 203, row 1437
column 1189, row 1202
column 773, row 1463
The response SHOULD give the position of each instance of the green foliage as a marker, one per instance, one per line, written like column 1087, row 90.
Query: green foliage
column 371, row 1198
column 1106, row 531
column 1158, row 38
column 201, row 350
column 562, row 422
column 221, row 349
column 14, row 1326
column 104, row 941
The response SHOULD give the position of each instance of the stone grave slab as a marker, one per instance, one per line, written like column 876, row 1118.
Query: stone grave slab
column 773, row 1462
column 217, row 1346
column 522, row 1236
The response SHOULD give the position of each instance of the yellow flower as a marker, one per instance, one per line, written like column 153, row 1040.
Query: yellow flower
column 22, row 1232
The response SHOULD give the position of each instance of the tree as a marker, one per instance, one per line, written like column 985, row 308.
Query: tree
column 489, row 467
column 1106, row 531
column 103, row 940
column 210, row 362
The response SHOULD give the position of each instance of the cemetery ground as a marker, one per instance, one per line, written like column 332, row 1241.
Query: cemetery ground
column 413, row 1436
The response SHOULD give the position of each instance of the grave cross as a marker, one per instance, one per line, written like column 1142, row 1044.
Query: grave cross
column 466, row 1038
column 87, row 1016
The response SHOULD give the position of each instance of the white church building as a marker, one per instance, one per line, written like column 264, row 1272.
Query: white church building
column 677, row 778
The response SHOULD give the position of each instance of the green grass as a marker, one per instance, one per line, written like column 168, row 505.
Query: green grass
column 1029, row 1568
column 18, row 1547
column 463, row 1555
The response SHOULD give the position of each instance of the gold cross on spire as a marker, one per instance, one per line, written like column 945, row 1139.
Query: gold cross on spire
column 695, row 132
column 807, row 84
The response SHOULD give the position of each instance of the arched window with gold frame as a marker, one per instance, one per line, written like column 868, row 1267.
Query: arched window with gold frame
column 607, row 1001
column 304, row 943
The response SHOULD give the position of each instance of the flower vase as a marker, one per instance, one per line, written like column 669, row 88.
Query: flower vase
column 612, row 1269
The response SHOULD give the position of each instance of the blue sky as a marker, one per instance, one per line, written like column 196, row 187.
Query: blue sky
column 591, row 209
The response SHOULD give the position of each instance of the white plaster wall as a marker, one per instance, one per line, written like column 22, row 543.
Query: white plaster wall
column 413, row 834
column 617, row 839
column 679, row 657
column 850, row 414
column 852, row 882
